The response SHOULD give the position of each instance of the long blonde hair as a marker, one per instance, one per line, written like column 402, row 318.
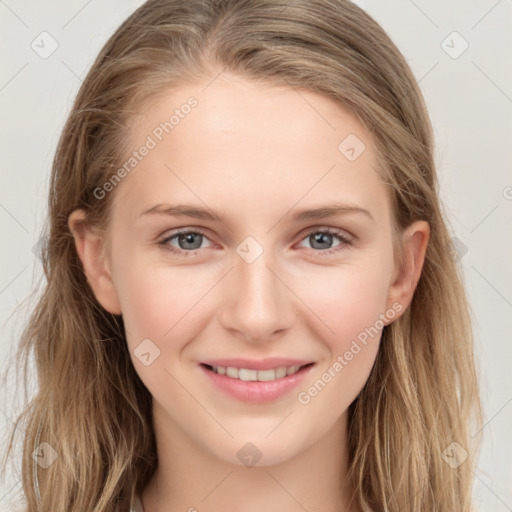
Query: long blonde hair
column 92, row 408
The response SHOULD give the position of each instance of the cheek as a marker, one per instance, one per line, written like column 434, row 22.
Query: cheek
column 337, row 381
column 352, row 298
column 157, row 303
column 163, row 305
column 351, row 312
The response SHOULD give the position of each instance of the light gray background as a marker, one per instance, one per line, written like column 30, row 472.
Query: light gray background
column 470, row 101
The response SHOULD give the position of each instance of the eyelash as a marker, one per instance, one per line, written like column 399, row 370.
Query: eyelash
column 329, row 231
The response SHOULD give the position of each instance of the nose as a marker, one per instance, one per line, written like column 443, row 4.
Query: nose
column 258, row 304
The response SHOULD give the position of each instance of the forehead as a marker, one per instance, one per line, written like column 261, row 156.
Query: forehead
column 254, row 110
column 234, row 139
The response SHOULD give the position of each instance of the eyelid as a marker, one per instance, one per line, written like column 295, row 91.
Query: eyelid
column 332, row 230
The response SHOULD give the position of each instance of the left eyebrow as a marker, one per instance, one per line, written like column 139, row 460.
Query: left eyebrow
column 198, row 212
column 330, row 211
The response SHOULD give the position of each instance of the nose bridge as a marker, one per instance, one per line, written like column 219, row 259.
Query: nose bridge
column 260, row 303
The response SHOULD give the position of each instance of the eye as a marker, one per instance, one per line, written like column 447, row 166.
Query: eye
column 322, row 239
column 189, row 242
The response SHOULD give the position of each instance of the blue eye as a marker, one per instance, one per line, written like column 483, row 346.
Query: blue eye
column 190, row 241
column 185, row 238
column 320, row 236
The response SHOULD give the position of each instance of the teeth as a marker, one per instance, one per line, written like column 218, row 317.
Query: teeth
column 292, row 370
column 232, row 372
column 281, row 372
column 244, row 374
column 248, row 375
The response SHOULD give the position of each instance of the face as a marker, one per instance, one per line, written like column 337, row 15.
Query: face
column 284, row 260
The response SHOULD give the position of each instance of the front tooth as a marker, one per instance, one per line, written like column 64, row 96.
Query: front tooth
column 292, row 369
column 281, row 372
column 266, row 375
column 232, row 372
column 247, row 375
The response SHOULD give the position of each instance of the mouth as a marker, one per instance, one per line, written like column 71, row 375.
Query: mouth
column 257, row 386
column 253, row 375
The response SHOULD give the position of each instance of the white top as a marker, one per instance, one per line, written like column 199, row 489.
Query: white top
column 137, row 505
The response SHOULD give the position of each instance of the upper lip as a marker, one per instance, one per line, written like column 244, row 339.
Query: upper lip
column 257, row 364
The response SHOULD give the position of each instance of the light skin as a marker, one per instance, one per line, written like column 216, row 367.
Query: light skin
column 257, row 154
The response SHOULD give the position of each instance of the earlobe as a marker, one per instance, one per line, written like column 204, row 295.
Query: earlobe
column 90, row 250
column 414, row 246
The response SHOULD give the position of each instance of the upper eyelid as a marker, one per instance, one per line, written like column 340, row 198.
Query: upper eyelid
column 171, row 234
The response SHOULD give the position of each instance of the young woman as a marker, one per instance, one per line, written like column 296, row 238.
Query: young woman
column 251, row 302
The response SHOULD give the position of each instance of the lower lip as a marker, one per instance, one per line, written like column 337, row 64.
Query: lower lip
column 255, row 391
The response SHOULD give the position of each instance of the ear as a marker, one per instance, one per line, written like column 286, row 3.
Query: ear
column 414, row 241
column 90, row 247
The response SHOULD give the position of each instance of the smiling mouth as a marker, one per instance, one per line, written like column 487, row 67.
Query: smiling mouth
column 250, row 375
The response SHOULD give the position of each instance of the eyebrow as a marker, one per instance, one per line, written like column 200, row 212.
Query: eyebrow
column 321, row 212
